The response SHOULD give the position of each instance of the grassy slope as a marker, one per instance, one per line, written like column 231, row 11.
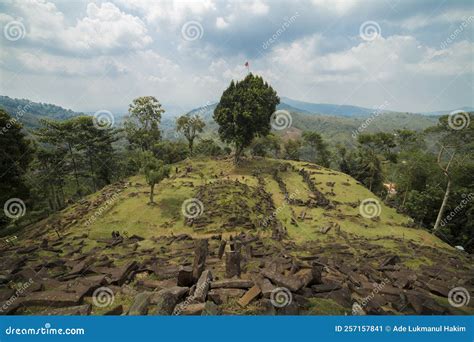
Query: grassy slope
column 131, row 212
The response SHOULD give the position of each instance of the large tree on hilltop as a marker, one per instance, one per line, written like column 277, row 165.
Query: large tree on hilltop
column 244, row 112
column 143, row 125
column 190, row 126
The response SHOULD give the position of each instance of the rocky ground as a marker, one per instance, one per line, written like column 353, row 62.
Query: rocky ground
column 253, row 248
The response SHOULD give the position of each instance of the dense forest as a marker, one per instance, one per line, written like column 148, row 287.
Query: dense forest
column 427, row 174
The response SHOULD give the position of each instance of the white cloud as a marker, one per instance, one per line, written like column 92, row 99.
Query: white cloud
column 104, row 29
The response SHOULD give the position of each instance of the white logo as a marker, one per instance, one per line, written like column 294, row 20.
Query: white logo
column 459, row 296
column 369, row 30
column 370, row 208
column 103, row 296
column 103, row 119
column 192, row 208
column 14, row 208
column 14, row 30
column 458, row 120
column 192, row 30
column 281, row 119
column 281, row 297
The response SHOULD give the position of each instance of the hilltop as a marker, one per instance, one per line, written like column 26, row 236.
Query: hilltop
column 312, row 239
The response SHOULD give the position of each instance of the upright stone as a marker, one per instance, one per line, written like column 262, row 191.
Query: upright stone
column 232, row 264
column 200, row 254
column 221, row 250
column 185, row 276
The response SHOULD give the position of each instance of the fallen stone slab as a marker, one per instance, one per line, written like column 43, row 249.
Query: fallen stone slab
column 291, row 283
column 222, row 295
column 52, row 298
column 265, row 285
column 79, row 310
column 167, row 299
column 140, row 304
column 116, row 311
column 390, row 261
column 328, row 287
column 250, row 295
column 194, row 309
column 232, row 283
column 120, row 274
column 202, row 286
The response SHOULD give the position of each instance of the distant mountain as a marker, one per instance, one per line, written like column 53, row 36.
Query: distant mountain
column 444, row 112
column 30, row 113
column 327, row 108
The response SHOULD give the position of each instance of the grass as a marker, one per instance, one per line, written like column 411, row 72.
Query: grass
column 132, row 213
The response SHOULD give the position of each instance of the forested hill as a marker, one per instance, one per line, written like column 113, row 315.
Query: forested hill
column 30, row 112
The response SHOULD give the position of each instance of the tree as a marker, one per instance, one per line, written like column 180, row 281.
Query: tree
column 319, row 148
column 170, row 151
column 143, row 125
column 208, row 147
column 263, row 146
column 455, row 147
column 244, row 112
column 292, row 149
column 16, row 153
column 62, row 134
column 190, row 126
column 379, row 142
column 155, row 171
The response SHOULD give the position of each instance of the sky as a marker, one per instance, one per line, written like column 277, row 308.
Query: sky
column 414, row 56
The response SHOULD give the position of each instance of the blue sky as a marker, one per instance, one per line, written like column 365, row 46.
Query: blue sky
column 91, row 55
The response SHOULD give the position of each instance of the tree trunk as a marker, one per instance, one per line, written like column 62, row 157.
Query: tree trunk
column 152, row 189
column 75, row 167
column 443, row 205
column 238, row 153
column 190, row 144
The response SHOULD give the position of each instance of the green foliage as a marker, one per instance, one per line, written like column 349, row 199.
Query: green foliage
column 364, row 165
column 208, row 147
column 244, row 112
column 143, row 125
column 319, row 149
column 292, row 149
column 16, row 153
column 170, row 152
column 155, row 171
column 190, row 126
column 269, row 145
